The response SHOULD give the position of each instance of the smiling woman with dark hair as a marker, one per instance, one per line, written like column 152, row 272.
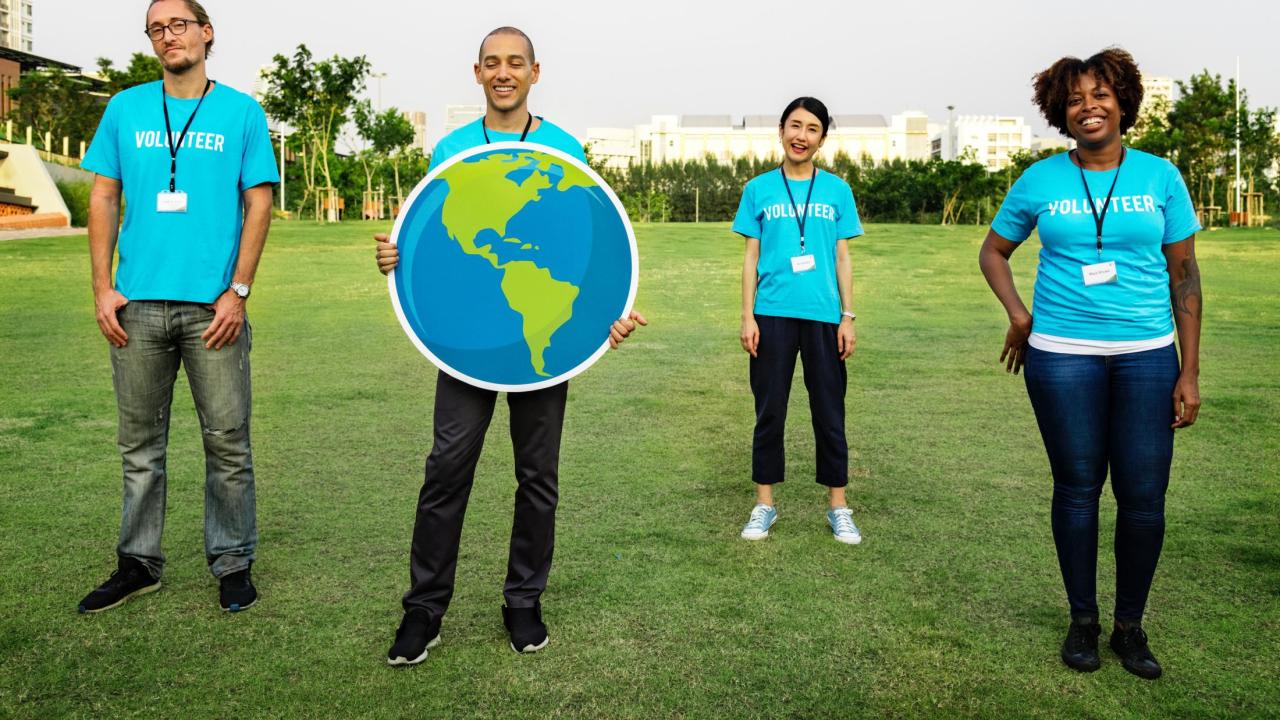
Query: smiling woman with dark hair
column 797, row 297
column 1117, row 275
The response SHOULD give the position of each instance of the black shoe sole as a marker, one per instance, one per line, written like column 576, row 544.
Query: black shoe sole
column 136, row 593
column 1144, row 674
column 235, row 607
column 1082, row 667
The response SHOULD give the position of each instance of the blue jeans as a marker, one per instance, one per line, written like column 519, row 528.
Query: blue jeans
column 162, row 336
column 1099, row 412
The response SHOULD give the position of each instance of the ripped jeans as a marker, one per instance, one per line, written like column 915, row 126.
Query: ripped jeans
column 162, row 336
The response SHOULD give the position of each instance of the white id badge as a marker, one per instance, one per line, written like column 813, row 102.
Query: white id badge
column 171, row 202
column 1100, row 273
column 802, row 263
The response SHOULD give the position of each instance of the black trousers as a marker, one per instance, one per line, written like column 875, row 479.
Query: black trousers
column 825, row 379
column 462, row 416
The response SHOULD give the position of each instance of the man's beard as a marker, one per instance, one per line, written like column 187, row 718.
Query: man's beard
column 179, row 67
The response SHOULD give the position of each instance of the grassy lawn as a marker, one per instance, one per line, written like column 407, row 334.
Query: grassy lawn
column 953, row 604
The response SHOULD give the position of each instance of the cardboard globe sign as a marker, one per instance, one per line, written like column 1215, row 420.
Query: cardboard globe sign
column 515, row 259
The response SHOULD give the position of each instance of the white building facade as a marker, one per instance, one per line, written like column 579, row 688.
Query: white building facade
column 1157, row 94
column 418, row 120
column 989, row 140
column 684, row 138
column 455, row 116
column 15, row 25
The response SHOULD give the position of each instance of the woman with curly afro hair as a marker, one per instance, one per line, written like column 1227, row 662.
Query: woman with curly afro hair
column 1117, row 281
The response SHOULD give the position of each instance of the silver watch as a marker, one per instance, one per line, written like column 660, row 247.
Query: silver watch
column 849, row 315
column 240, row 289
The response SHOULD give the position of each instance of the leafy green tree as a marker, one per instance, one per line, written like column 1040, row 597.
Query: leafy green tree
column 143, row 68
column 55, row 102
column 316, row 98
column 389, row 135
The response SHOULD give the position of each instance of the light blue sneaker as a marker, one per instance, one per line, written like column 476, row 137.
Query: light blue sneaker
column 762, row 518
column 842, row 527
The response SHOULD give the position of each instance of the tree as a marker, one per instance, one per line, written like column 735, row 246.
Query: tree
column 55, row 102
column 316, row 97
column 389, row 134
column 1198, row 135
column 143, row 68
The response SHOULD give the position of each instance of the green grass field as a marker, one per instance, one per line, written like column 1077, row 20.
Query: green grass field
column 952, row 606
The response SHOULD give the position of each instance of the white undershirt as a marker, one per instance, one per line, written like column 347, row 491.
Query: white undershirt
column 1075, row 346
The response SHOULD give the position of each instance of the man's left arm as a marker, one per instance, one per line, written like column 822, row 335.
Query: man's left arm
column 228, row 309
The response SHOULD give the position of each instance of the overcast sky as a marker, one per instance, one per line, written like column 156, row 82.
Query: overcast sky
column 614, row 64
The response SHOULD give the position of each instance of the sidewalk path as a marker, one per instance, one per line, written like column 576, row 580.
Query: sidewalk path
column 40, row 233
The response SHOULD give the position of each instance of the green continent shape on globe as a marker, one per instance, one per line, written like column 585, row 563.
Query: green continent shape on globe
column 481, row 198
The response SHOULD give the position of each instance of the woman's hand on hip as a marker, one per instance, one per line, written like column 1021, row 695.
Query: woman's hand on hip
column 1015, row 344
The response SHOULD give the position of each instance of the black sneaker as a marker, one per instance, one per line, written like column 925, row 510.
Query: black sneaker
column 130, row 580
column 236, row 591
column 1131, row 645
column 418, row 633
column 1080, row 649
column 528, row 633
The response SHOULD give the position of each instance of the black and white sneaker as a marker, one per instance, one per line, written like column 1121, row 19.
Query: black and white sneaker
column 418, row 633
column 130, row 580
column 236, row 591
column 528, row 633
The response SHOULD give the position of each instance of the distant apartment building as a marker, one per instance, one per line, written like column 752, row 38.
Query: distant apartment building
column 15, row 24
column 1157, row 93
column 682, row 138
column 989, row 140
column 418, row 120
column 455, row 116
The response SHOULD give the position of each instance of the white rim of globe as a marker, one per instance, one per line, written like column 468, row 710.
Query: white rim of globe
column 514, row 146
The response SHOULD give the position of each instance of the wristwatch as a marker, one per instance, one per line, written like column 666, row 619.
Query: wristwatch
column 240, row 289
column 849, row 315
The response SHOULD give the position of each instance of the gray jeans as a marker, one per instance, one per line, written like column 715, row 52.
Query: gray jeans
column 162, row 336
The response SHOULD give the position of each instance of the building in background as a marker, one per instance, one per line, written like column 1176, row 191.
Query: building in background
column 989, row 140
column 455, row 116
column 418, row 120
column 15, row 63
column 15, row 24
column 1157, row 94
column 684, row 138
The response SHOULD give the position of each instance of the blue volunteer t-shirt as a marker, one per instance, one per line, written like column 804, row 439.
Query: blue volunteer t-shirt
column 472, row 135
column 1150, row 208
column 767, row 214
column 189, row 256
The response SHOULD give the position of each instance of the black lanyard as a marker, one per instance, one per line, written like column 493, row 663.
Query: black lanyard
column 523, row 135
column 1099, row 219
column 800, row 216
column 168, row 133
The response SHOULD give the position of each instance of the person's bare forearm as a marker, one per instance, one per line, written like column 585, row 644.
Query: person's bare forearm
column 1188, row 305
column 104, row 225
column 995, row 268
column 844, row 276
column 253, row 236
column 750, row 279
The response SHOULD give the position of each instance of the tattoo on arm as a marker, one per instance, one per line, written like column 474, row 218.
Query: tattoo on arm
column 1188, row 289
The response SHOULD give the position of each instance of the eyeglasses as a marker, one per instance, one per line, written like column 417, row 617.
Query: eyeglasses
column 177, row 27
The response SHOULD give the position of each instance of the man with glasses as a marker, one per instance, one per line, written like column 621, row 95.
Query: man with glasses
column 506, row 69
column 194, row 160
